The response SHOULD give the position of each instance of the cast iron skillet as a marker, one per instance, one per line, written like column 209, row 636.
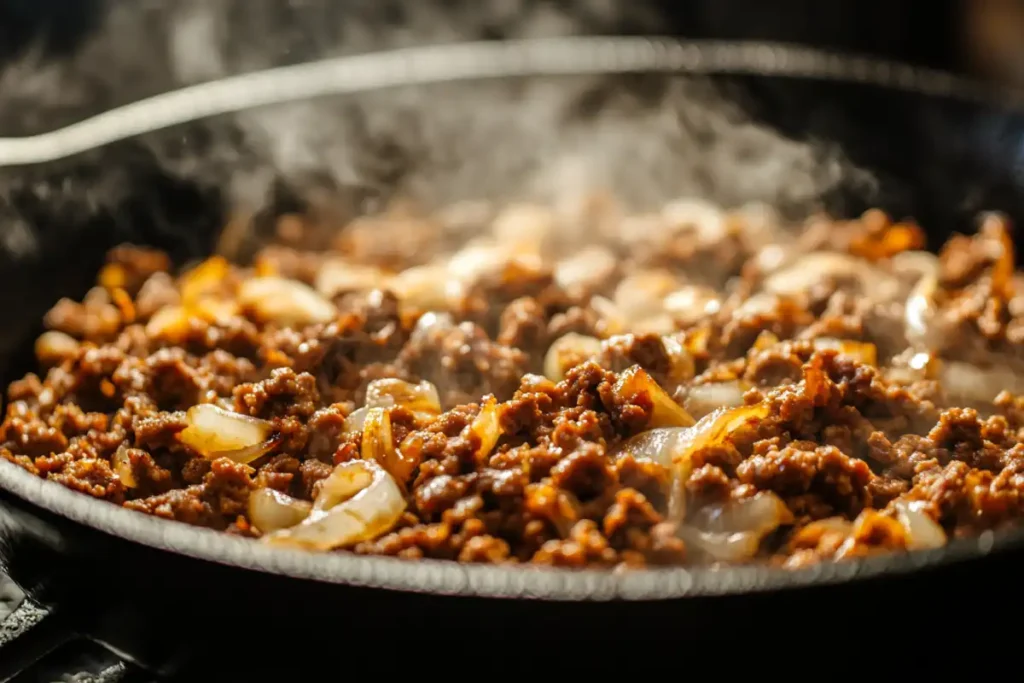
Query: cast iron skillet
column 938, row 149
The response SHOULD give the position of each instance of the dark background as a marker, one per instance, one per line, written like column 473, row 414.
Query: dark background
column 924, row 32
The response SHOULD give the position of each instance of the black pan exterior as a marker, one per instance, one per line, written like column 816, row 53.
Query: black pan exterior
column 939, row 159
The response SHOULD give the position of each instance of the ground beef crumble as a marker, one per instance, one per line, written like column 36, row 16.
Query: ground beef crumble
column 852, row 396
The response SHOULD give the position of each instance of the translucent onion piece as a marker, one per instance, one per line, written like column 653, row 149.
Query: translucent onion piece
column 691, row 304
column 476, row 260
column 733, row 531
column 702, row 216
column 919, row 312
column 923, row 532
column 641, row 295
column 337, row 276
column 860, row 351
column 355, row 420
column 737, row 547
column 567, row 352
column 486, row 427
column 170, row 322
column 358, row 502
column 817, row 267
column 761, row 513
column 674, row 446
column 421, row 398
column 702, row 399
column 218, row 433
column 121, row 464
column 285, row 302
column 586, row 270
column 666, row 412
column 968, row 382
column 425, row 287
column 271, row 510
column 204, row 279
column 53, row 347
column 524, row 228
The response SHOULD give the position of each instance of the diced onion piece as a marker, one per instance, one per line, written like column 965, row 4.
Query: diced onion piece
column 675, row 446
column 358, row 502
column 737, row 547
column 567, row 352
column 170, row 322
column 474, row 261
column 666, row 412
column 378, row 445
column 586, row 270
column 421, row 399
column 690, row 304
column 968, row 382
column 524, row 228
column 271, row 510
column 923, row 532
column 336, row 276
column 860, row 351
column 53, row 347
column 121, row 464
column 641, row 295
column 425, row 287
column 705, row 218
column 486, row 427
column 919, row 312
column 702, row 399
column 205, row 278
column 761, row 513
column 733, row 531
column 285, row 302
column 355, row 420
column 215, row 310
column 817, row 267
column 218, row 433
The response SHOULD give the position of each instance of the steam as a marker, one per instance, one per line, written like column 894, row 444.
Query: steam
column 647, row 139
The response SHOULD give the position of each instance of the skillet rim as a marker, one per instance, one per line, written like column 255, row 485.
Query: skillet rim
column 441, row 577
column 446, row 577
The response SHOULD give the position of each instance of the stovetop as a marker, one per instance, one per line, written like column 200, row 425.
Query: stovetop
column 35, row 649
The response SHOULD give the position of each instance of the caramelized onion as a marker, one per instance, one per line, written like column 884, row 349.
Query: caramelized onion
column 285, row 302
column 486, row 426
column 674, row 446
column 860, row 351
column 204, row 279
column 378, row 445
column 218, row 433
column 421, row 398
column 170, row 322
column 121, row 464
column 271, row 510
column 666, row 412
column 923, row 532
column 567, row 352
column 358, row 502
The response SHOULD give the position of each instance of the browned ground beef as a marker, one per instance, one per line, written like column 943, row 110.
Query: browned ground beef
column 860, row 395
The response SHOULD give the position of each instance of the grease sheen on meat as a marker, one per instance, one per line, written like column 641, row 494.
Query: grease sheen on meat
column 693, row 387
